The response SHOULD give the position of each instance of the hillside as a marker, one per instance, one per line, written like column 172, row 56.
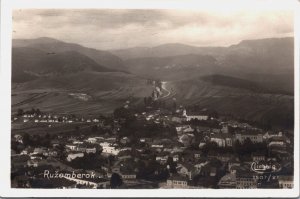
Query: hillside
column 50, row 45
column 60, row 77
column 264, row 61
column 238, row 98
column 35, row 63
column 233, row 82
column 273, row 56
column 174, row 67
column 105, row 92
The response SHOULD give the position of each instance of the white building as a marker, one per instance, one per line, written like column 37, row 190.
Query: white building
column 72, row 156
column 222, row 140
column 157, row 146
column 92, row 140
column 71, row 147
column 110, row 150
column 95, row 120
column 104, row 144
column 286, row 182
column 192, row 117
column 128, row 176
column 91, row 150
column 177, row 182
column 184, row 129
column 254, row 137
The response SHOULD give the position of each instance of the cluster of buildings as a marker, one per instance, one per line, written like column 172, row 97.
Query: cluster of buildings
column 48, row 118
column 182, row 161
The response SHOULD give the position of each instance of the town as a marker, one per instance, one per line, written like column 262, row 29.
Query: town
column 181, row 147
column 171, row 96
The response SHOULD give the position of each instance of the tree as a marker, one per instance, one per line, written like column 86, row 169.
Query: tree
column 61, row 151
column 20, row 112
column 210, row 146
column 248, row 146
column 89, row 161
column 237, row 146
column 172, row 165
column 46, row 141
column 26, row 139
column 174, row 105
column 111, row 159
column 32, row 111
column 38, row 112
column 115, row 181
column 77, row 128
column 94, row 128
column 123, row 113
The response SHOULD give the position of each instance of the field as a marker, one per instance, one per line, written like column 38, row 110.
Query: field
column 106, row 91
column 42, row 129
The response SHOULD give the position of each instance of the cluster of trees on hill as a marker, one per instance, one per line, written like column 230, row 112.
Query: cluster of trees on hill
column 150, row 102
column 88, row 161
column 21, row 112
column 155, row 82
column 131, row 126
column 31, row 141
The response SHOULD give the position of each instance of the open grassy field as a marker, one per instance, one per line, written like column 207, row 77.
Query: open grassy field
column 106, row 90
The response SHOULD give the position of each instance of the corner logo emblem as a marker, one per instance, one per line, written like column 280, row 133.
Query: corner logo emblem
column 265, row 167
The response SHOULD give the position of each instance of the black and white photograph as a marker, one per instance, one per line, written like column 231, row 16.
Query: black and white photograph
column 152, row 98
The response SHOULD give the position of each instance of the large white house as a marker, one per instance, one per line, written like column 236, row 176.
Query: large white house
column 72, row 156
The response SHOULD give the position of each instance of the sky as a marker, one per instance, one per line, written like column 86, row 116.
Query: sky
column 124, row 28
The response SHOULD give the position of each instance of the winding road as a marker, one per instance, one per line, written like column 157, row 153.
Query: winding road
column 164, row 87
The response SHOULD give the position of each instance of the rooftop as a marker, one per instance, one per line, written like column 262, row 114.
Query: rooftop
column 177, row 178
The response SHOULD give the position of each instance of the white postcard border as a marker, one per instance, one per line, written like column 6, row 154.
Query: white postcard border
column 5, row 105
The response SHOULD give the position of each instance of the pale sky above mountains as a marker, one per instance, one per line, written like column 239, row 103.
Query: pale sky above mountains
column 123, row 28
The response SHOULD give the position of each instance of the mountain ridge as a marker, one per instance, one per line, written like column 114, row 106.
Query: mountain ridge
column 160, row 50
column 51, row 45
column 39, row 63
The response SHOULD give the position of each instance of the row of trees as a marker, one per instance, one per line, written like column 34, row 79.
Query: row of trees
column 21, row 112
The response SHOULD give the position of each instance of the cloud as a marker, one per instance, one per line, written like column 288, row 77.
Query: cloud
column 122, row 28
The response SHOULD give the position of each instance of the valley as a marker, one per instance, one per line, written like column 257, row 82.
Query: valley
column 232, row 81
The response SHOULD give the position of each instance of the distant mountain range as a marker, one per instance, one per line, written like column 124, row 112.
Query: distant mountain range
column 265, row 49
column 49, row 45
column 269, row 61
column 165, row 50
column 273, row 55
column 254, row 78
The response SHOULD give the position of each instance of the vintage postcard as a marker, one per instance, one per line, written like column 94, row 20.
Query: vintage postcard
column 184, row 99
